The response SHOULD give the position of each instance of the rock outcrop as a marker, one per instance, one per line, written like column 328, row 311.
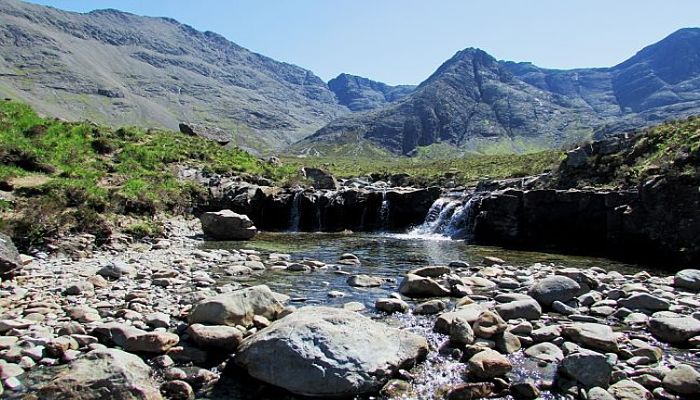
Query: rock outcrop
column 9, row 256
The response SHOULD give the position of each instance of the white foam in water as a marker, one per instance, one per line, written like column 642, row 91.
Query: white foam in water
column 448, row 218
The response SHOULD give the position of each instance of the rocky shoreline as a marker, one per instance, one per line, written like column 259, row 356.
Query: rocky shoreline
column 152, row 320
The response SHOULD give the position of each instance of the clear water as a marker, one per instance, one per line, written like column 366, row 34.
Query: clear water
column 389, row 256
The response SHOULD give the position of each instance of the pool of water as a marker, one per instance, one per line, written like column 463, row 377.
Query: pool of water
column 388, row 256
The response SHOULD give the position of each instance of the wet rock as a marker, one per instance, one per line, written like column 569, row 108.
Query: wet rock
column 391, row 305
column 525, row 390
column 488, row 364
column 469, row 313
column 674, row 330
column 526, row 309
column 418, row 286
column 430, row 307
column 227, row 225
column 688, row 279
column 472, row 390
column 546, row 352
column 151, row 342
column 364, row 281
column 108, row 373
column 10, row 261
column 589, row 369
column 397, row 388
column 357, row 355
column 237, row 307
column 683, row 380
column 461, row 332
column 507, row 343
column 554, row 288
column 591, row 335
column 629, row 390
column 644, row 301
column 177, row 390
column 489, row 324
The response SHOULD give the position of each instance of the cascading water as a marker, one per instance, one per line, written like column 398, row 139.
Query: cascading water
column 384, row 212
column 295, row 215
column 449, row 217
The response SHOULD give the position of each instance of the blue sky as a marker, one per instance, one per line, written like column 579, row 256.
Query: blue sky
column 404, row 41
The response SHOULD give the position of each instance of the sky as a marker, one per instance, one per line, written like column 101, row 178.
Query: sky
column 404, row 41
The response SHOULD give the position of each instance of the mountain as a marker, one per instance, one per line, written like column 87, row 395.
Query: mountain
column 117, row 68
column 475, row 103
column 362, row 94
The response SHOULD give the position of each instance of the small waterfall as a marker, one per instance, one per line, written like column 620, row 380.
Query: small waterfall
column 384, row 212
column 450, row 216
column 295, row 215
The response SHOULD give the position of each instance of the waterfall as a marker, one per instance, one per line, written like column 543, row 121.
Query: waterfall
column 295, row 214
column 384, row 212
column 450, row 216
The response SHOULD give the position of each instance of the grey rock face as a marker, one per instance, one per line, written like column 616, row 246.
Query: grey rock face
column 227, row 225
column 237, row 307
column 9, row 256
column 362, row 94
column 327, row 352
column 102, row 374
column 554, row 288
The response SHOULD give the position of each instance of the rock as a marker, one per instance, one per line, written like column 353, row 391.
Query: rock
column 433, row 271
column 115, row 333
column 237, row 307
column 489, row 324
column 507, row 343
column 562, row 308
column 391, row 305
column 10, row 261
column 151, row 342
column 321, row 179
column 320, row 351
column 9, row 370
column 527, row 309
column 674, row 330
column 546, row 352
column 644, row 301
column 683, row 380
column 589, row 369
column 472, row 390
column 227, row 225
column 430, row 307
column 177, row 390
column 79, row 288
column 364, row 281
column 469, row 313
column 629, row 390
column 525, row 390
column 116, row 270
column 594, row 336
column 687, row 279
column 158, row 320
column 397, row 388
column 461, row 332
column 488, row 364
column 554, row 288
column 102, row 374
column 211, row 133
column 489, row 260
column 418, row 286
column 598, row 393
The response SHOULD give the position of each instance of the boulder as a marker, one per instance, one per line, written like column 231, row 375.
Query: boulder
column 469, row 313
column 9, row 256
column 461, row 332
column 227, row 225
column 554, row 288
column 527, row 309
column 588, row 368
column 683, row 380
column 688, row 279
column 391, row 305
column 644, row 301
column 207, row 132
column 489, row 364
column 237, row 307
column 674, row 330
column 151, row 342
column 364, row 281
column 546, row 352
column 593, row 336
column 418, row 286
column 220, row 337
column 629, row 390
column 329, row 352
column 489, row 324
column 321, row 179
column 103, row 374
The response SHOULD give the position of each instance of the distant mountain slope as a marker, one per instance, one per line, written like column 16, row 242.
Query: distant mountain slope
column 475, row 103
column 118, row 68
column 362, row 94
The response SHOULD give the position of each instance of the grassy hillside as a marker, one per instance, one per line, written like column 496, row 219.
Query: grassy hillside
column 73, row 176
